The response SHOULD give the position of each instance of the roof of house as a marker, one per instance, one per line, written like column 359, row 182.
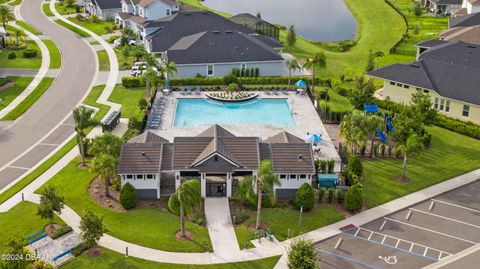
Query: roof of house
column 108, row 4
column 147, row 3
column 452, row 70
column 185, row 23
column 430, row 43
column 465, row 21
column 268, row 40
column 289, row 154
column 148, row 137
column 467, row 34
column 447, row 2
column 220, row 47
column 474, row 2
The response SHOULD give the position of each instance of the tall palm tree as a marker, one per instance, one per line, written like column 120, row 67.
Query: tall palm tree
column 184, row 200
column 291, row 64
column 6, row 15
column 353, row 129
column 410, row 146
column 317, row 61
column 170, row 68
column 106, row 166
column 372, row 123
column 83, row 120
column 151, row 78
column 107, row 143
column 19, row 34
column 265, row 181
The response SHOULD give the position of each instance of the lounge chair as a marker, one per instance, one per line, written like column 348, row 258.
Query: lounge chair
column 275, row 91
column 285, row 91
column 189, row 90
column 182, row 91
column 197, row 90
column 267, row 92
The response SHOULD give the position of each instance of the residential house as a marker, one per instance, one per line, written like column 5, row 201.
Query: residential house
column 134, row 13
column 444, row 7
column 104, row 9
column 257, row 24
column 216, row 157
column 448, row 71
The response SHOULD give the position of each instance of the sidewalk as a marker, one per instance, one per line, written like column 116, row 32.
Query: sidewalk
column 51, row 73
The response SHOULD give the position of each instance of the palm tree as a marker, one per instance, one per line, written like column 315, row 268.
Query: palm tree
column 184, row 200
column 83, row 120
column 244, row 192
column 291, row 64
column 170, row 68
column 6, row 15
column 317, row 61
column 265, row 181
column 151, row 78
column 353, row 129
column 372, row 123
column 410, row 146
column 18, row 35
column 107, row 143
column 106, row 166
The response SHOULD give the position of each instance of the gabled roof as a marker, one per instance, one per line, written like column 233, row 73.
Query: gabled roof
column 216, row 131
column 291, row 158
column 430, row 43
column 108, row 4
column 474, row 2
column 466, row 34
column 148, row 137
column 140, row 158
column 147, row 3
column 220, row 47
column 464, row 21
column 284, row 137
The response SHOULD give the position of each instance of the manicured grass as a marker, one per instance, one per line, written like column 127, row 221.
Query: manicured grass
column 15, row 3
column 21, row 221
column 124, row 63
column 30, row 100
column 91, row 100
column 279, row 220
column 338, row 102
column 111, row 259
column 20, row 62
column 157, row 226
column 103, row 61
column 28, row 28
column 129, row 98
column 55, row 57
column 46, row 10
column 96, row 27
column 72, row 28
column 64, row 10
column 450, row 155
column 7, row 95
column 95, row 42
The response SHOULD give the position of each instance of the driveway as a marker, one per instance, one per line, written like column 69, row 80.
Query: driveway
column 45, row 121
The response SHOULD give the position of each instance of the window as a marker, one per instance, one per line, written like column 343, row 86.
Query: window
column 303, row 176
column 140, row 11
column 293, row 176
column 436, row 103
column 466, row 110
column 426, row 91
column 442, row 102
column 149, row 176
column 447, row 105
column 399, row 85
column 406, row 86
column 168, row 12
column 129, row 176
column 392, row 83
column 139, row 176
column 210, row 70
column 283, row 176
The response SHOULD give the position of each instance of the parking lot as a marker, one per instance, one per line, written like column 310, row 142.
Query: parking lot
column 410, row 238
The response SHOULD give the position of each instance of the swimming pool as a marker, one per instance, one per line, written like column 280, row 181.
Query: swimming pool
column 193, row 112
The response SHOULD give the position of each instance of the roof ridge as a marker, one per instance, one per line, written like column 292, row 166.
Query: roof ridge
column 429, row 76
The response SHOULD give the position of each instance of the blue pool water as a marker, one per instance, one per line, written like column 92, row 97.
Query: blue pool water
column 192, row 112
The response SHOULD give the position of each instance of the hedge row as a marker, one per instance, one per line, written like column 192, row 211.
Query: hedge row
column 242, row 80
column 80, row 248
column 61, row 231
column 131, row 82
column 30, row 53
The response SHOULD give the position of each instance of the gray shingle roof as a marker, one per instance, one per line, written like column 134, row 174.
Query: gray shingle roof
column 447, row 2
column 108, row 4
column 464, row 21
column 430, row 43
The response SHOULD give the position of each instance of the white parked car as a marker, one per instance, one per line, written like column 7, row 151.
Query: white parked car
column 117, row 42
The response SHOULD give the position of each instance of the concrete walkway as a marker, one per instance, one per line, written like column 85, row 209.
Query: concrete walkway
column 220, row 228
column 52, row 73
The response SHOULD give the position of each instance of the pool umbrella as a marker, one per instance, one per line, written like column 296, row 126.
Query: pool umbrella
column 314, row 138
column 166, row 84
column 300, row 83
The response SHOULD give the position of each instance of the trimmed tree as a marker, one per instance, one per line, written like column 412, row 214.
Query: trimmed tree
column 128, row 196
column 185, row 199
column 373, row 123
column 106, row 166
column 305, row 197
column 83, row 120
column 15, row 248
column 291, row 36
column 91, row 227
column 354, row 197
column 170, row 68
column 244, row 192
column 107, row 143
column 6, row 15
column 301, row 255
column 50, row 203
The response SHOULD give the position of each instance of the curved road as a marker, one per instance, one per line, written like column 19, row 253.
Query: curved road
column 18, row 143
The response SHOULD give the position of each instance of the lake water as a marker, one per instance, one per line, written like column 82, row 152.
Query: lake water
column 317, row 20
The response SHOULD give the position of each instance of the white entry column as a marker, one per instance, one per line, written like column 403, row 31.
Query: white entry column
column 229, row 185
column 177, row 180
column 203, row 185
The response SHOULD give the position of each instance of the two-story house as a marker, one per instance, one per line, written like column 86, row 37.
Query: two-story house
column 134, row 13
column 104, row 9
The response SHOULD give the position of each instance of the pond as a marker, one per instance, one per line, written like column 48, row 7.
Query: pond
column 316, row 20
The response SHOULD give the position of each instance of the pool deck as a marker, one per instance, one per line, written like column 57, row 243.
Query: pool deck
column 306, row 118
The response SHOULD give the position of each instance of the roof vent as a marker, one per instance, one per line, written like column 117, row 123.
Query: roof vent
column 143, row 153
column 186, row 14
column 300, row 156
column 471, row 46
column 215, row 32
column 228, row 31
column 236, row 47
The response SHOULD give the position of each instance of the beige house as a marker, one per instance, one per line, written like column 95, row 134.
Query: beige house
column 448, row 71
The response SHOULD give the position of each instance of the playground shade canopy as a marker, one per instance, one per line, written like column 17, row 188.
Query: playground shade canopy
column 327, row 180
column 371, row 108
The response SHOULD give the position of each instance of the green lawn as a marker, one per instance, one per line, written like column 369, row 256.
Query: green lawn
column 129, row 98
column 21, row 221
column 72, row 28
column 124, row 63
column 338, row 102
column 15, row 3
column 46, row 10
column 91, row 100
column 20, row 62
column 103, row 61
column 96, row 27
column 28, row 28
column 279, row 220
column 55, row 57
column 64, row 10
column 30, row 100
column 110, row 259
column 450, row 155
column 158, row 226
column 7, row 95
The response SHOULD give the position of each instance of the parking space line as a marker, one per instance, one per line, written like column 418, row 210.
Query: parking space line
column 370, row 236
column 447, row 218
column 358, row 230
column 430, row 230
column 459, row 206
column 347, row 258
column 425, row 252
column 384, row 237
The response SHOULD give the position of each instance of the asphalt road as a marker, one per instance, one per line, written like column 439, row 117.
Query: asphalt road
column 49, row 111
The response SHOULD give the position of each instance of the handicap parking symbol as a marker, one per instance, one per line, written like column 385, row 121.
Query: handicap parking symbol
column 389, row 259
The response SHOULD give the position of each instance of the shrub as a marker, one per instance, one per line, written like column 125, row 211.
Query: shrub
column 61, row 231
column 128, row 196
column 38, row 264
column 80, row 248
column 108, row 29
column 112, row 38
column 305, row 197
column 323, row 166
column 330, row 166
column 257, row 72
column 11, row 55
column 142, row 104
column 355, row 166
column 79, row 17
column 30, row 53
column 354, row 198
column 382, row 150
column 340, row 196
column 302, row 255
column 199, row 219
column 342, row 91
column 321, row 194
column 47, row 266
column 331, row 194
column 247, row 72
column 239, row 218
column 131, row 82
column 233, row 87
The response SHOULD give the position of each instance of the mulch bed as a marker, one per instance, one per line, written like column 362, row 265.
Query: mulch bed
column 188, row 236
column 81, row 166
column 94, row 252
column 401, row 180
column 96, row 190
column 51, row 228
column 253, row 229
